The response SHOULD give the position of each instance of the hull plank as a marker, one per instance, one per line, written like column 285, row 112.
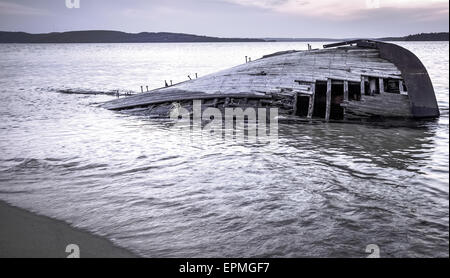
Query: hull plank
column 382, row 105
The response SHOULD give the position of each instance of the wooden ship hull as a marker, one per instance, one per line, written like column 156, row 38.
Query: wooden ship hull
column 348, row 81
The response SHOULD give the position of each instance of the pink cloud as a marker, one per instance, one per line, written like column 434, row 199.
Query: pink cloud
column 8, row 8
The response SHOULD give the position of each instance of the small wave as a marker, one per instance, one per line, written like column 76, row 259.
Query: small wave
column 135, row 170
column 33, row 164
column 444, row 111
column 14, row 192
column 30, row 163
column 90, row 166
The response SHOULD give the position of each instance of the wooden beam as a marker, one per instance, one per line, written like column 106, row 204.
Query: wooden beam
column 345, row 96
column 345, row 90
column 311, row 101
column 400, row 86
column 372, row 86
column 381, row 85
column 363, row 87
column 295, row 104
column 328, row 109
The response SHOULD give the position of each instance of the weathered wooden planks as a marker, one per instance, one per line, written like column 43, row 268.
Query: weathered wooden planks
column 285, row 70
column 384, row 105
column 170, row 96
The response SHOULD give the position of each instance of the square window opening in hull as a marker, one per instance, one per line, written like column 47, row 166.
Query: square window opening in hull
column 320, row 100
column 354, row 91
column 302, row 105
column 337, row 97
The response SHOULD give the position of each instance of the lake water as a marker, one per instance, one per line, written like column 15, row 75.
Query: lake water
column 326, row 190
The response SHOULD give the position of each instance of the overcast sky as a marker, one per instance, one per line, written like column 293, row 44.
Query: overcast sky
column 231, row 18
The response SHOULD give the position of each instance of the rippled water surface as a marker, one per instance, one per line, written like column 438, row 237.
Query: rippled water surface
column 324, row 190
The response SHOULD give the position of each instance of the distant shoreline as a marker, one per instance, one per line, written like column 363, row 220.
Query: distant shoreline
column 165, row 37
column 24, row 234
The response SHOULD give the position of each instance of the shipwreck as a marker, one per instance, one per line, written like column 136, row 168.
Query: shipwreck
column 348, row 81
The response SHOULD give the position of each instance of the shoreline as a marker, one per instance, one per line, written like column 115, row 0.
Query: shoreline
column 24, row 234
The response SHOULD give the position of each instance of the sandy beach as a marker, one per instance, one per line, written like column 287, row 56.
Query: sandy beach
column 26, row 235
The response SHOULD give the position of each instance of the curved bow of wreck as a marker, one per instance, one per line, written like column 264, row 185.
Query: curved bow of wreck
column 352, row 80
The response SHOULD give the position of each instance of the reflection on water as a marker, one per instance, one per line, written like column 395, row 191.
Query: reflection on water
column 323, row 190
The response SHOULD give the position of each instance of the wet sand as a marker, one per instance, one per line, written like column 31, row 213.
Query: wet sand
column 26, row 235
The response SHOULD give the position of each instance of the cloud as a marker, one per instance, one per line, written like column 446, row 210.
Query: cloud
column 8, row 8
column 414, row 14
column 350, row 9
column 237, row 18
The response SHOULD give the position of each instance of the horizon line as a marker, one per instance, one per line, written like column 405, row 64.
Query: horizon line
column 213, row 36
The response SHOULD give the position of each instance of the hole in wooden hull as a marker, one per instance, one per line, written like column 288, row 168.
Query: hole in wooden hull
column 337, row 97
column 320, row 100
column 302, row 106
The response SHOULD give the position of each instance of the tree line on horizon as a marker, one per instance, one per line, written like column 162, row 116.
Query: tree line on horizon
column 161, row 37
